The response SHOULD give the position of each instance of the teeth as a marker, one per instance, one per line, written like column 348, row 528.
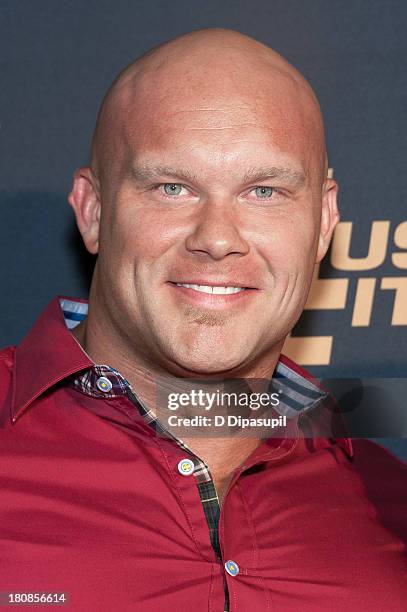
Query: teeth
column 211, row 289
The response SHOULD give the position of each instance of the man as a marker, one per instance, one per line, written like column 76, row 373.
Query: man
column 208, row 205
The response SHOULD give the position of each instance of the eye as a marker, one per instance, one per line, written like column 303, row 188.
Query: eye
column 177, row 192
column 172, row 188
column 264, row 192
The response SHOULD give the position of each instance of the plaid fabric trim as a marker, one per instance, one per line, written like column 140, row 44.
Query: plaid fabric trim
column 211, row 507
column 86, row 382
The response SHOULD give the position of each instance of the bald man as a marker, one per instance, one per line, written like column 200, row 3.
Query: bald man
column 208, row 205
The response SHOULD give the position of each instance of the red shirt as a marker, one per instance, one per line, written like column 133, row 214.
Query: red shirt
column 92, row 505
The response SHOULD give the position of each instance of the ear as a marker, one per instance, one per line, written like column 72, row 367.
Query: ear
column 85, row 201
column 329, row 216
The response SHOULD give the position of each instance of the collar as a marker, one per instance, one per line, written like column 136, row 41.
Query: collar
column 50, row 354
column 46, row 356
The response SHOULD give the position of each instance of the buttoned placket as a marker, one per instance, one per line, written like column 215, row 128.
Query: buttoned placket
column 203, row 481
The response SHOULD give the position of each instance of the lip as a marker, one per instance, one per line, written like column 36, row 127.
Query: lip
column 212, row 301
column 212, row 283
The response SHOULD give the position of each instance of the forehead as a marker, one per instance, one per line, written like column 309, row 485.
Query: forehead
column 228, row 133
column 219, row 119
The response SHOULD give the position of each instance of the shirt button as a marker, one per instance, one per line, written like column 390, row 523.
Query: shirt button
column 186, row 467
column 232, row 568
column 104, row 384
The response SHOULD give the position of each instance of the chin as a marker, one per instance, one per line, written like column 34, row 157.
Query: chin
column 210, row 365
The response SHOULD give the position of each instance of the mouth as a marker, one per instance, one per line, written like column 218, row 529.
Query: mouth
column 212, row 289
column 213, row 295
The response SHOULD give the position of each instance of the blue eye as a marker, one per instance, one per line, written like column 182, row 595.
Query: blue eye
column 172, row 188
column 264, row 192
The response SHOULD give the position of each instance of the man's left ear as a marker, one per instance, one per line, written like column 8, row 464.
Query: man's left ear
column 85, row 201
column 329, row 217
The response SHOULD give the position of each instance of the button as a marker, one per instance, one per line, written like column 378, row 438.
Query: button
column 104, row 384
column 232, row 568
column 186, row 467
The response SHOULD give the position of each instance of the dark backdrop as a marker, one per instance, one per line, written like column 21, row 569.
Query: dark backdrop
column 57, row 59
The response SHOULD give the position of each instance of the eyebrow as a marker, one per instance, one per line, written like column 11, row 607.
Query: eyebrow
column 147, row 173
column 295, row 177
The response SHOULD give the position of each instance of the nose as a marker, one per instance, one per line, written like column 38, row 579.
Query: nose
column 217, row 232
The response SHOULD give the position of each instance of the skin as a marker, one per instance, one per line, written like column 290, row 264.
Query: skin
column 218, row 115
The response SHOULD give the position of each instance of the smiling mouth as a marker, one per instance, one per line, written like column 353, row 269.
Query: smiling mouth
column 212, row 289
column 213, row 297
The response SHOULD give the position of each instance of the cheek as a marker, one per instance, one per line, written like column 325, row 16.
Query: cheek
column 288, row 244
column 138, row 235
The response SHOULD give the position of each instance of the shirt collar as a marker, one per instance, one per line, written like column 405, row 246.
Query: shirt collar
column 50, row 354
column 47, row 355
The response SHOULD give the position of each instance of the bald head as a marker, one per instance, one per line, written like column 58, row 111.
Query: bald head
column 208, row 71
